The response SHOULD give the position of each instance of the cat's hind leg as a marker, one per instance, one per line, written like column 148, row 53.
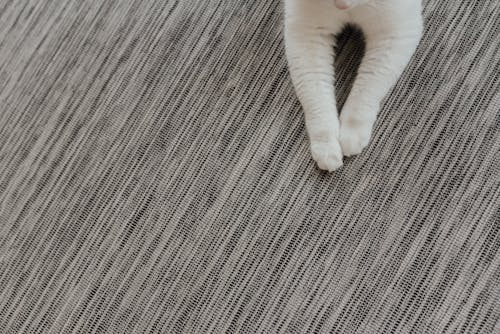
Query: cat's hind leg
column 309, row 52
column 385, row 58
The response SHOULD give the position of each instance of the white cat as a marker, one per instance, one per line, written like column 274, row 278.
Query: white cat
column 392, row 30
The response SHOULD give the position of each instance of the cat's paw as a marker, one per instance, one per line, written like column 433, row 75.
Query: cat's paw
column 327, row 154
column 354, row 137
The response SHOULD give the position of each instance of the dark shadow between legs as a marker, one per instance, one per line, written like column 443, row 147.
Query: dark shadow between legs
column 349, row 51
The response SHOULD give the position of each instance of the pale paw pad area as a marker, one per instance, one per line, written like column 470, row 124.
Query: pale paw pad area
column 354, row 139
column 327, row 154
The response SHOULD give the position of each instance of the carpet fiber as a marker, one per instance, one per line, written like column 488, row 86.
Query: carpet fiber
column 155, row 177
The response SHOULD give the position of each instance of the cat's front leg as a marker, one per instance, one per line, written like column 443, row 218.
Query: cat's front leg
column 310, row 58
column 385, row 59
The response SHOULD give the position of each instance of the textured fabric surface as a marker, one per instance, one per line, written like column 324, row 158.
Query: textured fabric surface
column 155, row 177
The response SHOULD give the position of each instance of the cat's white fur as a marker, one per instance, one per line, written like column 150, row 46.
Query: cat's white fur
column 392, row 30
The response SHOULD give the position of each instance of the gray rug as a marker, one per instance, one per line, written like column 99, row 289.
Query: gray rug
column 155, row 177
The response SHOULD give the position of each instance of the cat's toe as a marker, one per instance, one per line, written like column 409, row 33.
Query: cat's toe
column 327, row 154
column 354, row 139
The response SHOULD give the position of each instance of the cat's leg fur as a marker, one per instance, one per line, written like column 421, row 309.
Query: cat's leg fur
column 389, row 47
column 309, row 49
